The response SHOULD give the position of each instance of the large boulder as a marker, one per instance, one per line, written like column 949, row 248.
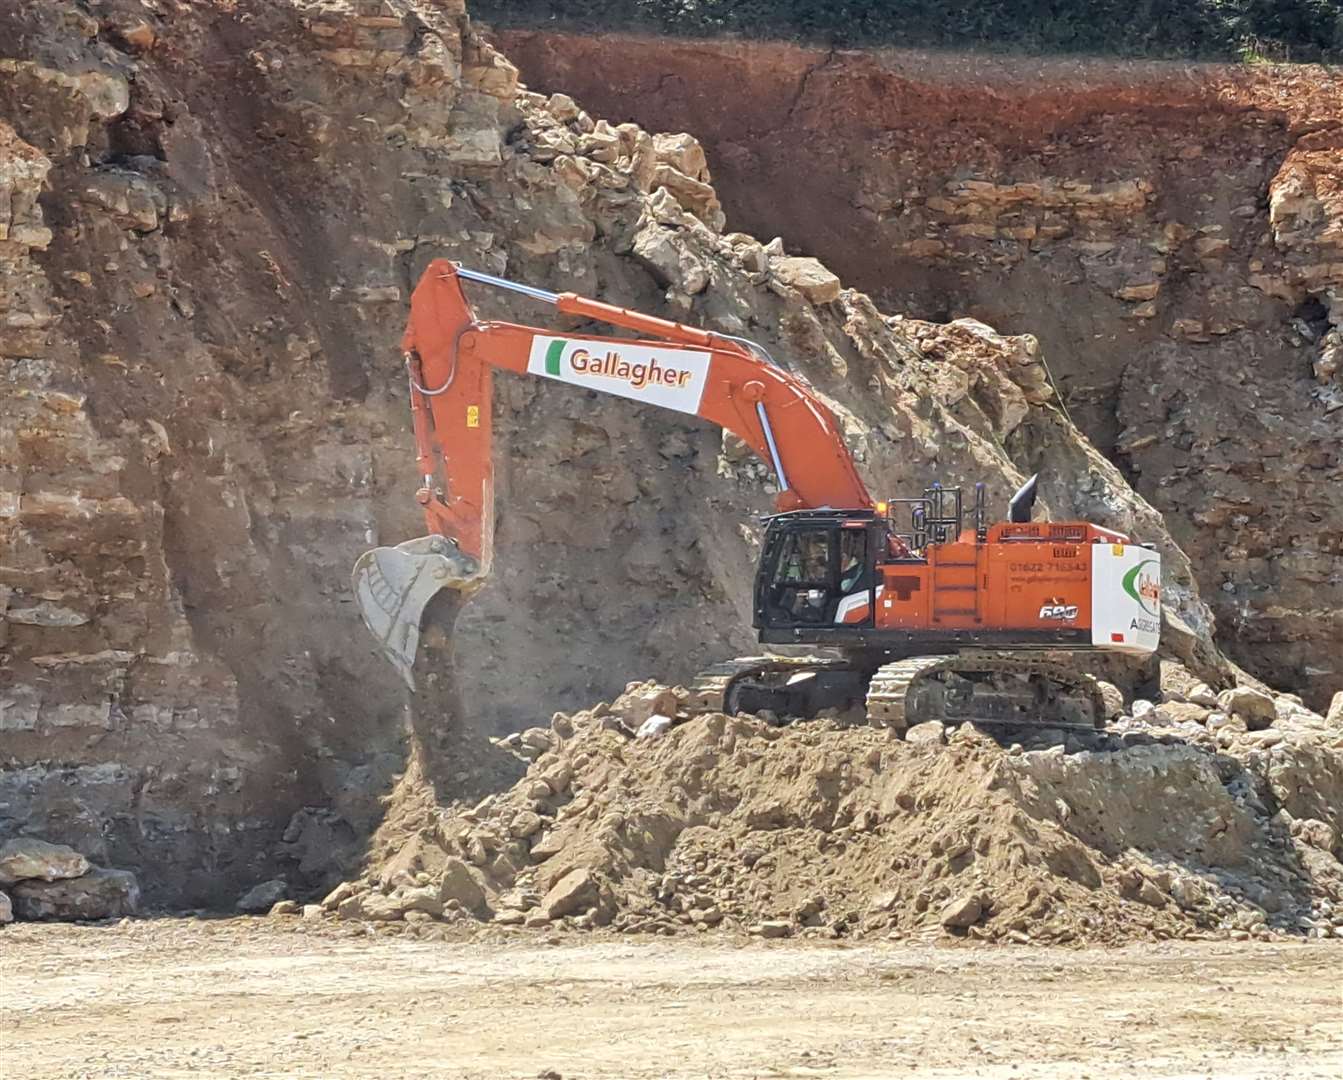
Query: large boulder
column 682, row 152
column 26, row 857
column 99, row 894
column 1253, row 706
column 642, row 700
column 962, row 911
column 809, row 277
column 259, row 899
column 459, row 883
column 575, row 892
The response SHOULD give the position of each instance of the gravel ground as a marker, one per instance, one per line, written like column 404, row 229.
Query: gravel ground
column 267, row 997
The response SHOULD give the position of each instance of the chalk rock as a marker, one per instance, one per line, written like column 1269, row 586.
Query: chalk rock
column 962, row 911
column 6, row 909
column 694, row 195
column 683, row 153
column 808, row 276
column 927, row 733
column 27, row 857
column 99, row 894
column 339, row 895
column 1253, row 706
column 653, row 727
column 459, row 883
column 1174, row 713
column 669, row 261
column 1112, row 697
column 424, row 898
column 575, row 892
column 562, row 107
column 373, row 906
column 526, row 823
column 643, row 700
column 1203, row 694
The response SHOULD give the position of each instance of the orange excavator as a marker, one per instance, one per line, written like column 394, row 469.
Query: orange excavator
column 913, row 608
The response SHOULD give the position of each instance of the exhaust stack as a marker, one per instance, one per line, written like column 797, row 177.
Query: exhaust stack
column 1023, row 502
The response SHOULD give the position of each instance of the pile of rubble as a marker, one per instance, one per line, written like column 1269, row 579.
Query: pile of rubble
column 1184, row 819
column 42, row 881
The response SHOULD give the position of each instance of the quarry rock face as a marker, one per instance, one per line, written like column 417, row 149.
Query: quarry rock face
column 1172, row 236
column 210, row 223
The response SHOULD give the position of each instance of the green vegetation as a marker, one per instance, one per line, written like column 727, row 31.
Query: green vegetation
column 1253, row 31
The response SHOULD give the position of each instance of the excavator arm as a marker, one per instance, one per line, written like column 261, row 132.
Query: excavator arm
column 451, row 357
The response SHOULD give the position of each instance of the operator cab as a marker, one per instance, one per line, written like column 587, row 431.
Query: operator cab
column 818, row 568
column 821, row 569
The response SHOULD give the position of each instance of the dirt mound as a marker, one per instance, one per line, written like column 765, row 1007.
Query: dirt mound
column 821, row 829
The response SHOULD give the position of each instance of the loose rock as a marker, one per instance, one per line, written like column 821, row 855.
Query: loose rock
column 99, row 894
column 26, row 857
column 262, row 897
column 573, row 893
column 962, row 911
column 809, row 277
column 927, row 733
column 1252, row 706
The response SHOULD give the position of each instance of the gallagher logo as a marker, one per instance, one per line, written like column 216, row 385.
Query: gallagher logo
column 672, row 378
column 613, row 366
column 1144, row 587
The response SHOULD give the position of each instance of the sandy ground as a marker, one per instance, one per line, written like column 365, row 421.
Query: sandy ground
column 181, row 997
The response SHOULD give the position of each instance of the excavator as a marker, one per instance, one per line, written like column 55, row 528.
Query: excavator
column 913, row 608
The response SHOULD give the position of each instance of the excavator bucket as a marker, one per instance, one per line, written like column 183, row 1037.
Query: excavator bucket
column 394, row 585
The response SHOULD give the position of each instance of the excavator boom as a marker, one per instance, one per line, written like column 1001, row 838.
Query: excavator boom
column 451, row 357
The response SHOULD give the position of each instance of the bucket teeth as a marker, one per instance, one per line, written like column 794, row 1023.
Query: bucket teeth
column 394, row 585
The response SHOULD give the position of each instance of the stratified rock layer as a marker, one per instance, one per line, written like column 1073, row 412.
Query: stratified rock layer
column 211, row 226
column 1172, row 234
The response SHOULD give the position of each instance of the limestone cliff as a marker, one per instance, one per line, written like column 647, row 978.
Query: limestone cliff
column 1172, row 234
column 211, row 215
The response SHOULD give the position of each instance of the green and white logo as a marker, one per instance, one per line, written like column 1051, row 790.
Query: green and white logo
column 1144, row 587
column 554, row 353
column 670, row 377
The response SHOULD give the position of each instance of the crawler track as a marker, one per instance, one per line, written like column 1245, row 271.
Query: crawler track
column 1007, row 690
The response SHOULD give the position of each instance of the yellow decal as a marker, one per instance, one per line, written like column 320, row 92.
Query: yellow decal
column 1117, row 549
column 473, row 416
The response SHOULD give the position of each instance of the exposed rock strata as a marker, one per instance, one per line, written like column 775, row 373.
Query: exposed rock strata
column 1172, row 233
column 212, row 224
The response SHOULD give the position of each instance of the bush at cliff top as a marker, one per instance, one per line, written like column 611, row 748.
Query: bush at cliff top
column 1287, row 30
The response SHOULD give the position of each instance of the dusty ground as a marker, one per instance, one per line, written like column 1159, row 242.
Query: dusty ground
column 175, row 997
